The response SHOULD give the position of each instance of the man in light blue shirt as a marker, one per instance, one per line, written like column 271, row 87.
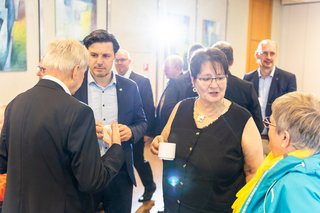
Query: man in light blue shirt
column 268, row 80
column 113, row 98
column 104, row 103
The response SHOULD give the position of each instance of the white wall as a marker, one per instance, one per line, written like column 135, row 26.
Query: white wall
column 136, row 25
column 237, row 34
column 300, row 44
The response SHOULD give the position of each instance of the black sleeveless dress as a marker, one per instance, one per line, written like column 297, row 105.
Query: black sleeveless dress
column 208, row 169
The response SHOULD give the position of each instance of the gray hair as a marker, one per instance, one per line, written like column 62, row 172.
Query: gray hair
column 65, row 54
column 174, row 61
column 299, row 114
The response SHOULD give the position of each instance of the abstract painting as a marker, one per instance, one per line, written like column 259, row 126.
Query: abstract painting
column 12, row 35
column 75, row 18
column 210, row 32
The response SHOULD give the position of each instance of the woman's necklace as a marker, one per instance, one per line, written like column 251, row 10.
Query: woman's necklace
column 201, row 117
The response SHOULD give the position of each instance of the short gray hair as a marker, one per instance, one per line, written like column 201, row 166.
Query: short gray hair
column 299, row 114
column 174, row 61
column 65, row 54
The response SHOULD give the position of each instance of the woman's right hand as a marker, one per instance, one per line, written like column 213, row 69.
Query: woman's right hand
column 154, row 148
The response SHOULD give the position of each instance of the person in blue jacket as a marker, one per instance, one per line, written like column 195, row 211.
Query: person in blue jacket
column 289, row 178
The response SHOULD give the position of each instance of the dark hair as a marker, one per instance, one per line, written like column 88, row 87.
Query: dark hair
column 226, row 48
column 212, row 55
column 101, row 36
column 193, row 48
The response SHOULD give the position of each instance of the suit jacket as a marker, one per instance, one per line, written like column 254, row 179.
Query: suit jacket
column 145, row 91
column 243, row 93
column 48, row 148
column 130, row 113
column 176, row 90
column 282, row 83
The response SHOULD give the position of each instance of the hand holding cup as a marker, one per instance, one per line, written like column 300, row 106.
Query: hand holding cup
column 164, row 150
column 111, row 134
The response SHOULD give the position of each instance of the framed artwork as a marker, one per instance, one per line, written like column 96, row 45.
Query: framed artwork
column 13, row 36
column 70, row 19
column 75, row 18
column 210, row 32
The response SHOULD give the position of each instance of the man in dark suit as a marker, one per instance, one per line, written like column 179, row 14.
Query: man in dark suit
column 113, row 97
column 48, row 141
column 238, row 90
column 122, row 64
column 269, row 81
column 173, row 67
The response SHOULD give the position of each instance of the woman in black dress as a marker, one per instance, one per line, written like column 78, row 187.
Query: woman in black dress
column 218, row 146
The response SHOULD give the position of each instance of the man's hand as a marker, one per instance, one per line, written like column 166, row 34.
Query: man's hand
column 99, row 129
column 125, row 132
column 112, row 135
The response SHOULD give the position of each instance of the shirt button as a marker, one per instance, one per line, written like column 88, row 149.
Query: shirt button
column 103, row 105
column 190, row 148
column 104, row 119
column 197, row 133
column 178, row 201
column 181, row 183
column 184, row 165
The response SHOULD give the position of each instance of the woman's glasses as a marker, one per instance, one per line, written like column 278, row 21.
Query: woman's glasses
column 208, row 80
column 267, row 123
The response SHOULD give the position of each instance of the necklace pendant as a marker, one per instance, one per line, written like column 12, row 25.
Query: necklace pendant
column 200, row 118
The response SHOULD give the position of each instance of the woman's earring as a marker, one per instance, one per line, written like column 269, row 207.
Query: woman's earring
column 194, row 89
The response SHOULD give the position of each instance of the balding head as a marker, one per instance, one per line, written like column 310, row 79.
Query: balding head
column 173, row 66
column 122, row 61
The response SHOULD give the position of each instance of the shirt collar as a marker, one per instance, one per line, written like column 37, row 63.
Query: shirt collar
column 92, row 81
column 58, row 81
column 128, row 73
column 271, row 74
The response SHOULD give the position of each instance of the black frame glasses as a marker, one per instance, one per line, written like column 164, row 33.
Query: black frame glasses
column 41, row 68
column 267, row 123
column 217, row 79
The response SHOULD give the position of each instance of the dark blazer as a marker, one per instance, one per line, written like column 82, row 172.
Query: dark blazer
column 130, row 113
column 282, row 83
column 176, row 90
column 145, row 91
column 243, row 93
column 48, row 148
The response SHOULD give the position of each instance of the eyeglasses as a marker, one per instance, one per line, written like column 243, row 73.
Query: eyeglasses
column 120, row 60
column 267, row 53
column 208, row 80
column 267, row 123
column 41, row 69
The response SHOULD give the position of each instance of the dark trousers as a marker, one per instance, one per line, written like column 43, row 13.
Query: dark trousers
column 142, row 166
column 117, row 196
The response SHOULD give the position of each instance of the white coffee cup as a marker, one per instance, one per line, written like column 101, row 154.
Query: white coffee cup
column 167, row 151
column 106, row 129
